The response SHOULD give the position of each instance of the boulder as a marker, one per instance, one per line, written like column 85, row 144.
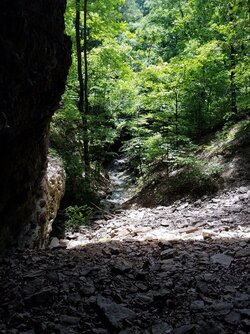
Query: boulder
column 34, row 61
column 36, row 232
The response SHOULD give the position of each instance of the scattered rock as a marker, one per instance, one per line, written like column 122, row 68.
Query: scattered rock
column 245, row 252
column 162, row 328
column 186, row 329
column 168, row 253
column 197, row 305
column 224, row 260
column 69, row 320
column 246, row 323
column 233, row 318
column 54, row 243
column 245, row 312
column 143, row 299
column 114, row 313
column 221, row 307
column 43, row 297
column 186, row 276
column 208, row 234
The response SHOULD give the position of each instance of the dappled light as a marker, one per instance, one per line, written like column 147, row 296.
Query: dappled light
column 225, row 215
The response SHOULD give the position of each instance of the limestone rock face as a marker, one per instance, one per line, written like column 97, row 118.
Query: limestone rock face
column 34, row 61
column 36, row 232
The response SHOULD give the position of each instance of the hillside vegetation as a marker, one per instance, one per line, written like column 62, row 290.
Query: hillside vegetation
column 222, row 161
column 149, row 79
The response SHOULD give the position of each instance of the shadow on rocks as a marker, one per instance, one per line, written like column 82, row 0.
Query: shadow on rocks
column 125, row 287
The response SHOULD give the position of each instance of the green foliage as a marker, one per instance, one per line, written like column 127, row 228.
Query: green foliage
column 193, row 180
column 105, row 58
column 77, row 216
column 237, row 137
column 229, row 140
column 164, row 72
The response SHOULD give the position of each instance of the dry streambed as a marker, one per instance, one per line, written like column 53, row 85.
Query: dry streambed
column 178, row 269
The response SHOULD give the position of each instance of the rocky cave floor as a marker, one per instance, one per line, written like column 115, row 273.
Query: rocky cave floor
column 179, row 269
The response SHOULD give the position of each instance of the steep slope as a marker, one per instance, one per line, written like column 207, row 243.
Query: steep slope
column 219, row 163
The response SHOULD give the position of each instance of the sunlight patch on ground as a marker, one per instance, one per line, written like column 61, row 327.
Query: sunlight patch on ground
column 163, row 235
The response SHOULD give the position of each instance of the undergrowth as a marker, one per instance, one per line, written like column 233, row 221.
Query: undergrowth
column 78, row 216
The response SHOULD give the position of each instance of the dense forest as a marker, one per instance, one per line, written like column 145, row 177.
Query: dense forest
column 147, row 102
column 149, row 78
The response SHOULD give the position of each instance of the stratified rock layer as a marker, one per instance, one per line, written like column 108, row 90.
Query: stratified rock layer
column 34, row 60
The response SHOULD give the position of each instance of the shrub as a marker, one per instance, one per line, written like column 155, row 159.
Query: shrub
column 77, row 216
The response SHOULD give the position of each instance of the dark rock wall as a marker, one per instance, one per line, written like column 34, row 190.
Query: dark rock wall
column 34, row 61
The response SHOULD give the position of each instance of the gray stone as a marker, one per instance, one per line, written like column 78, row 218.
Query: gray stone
column 210, row 327
column 235, row 208
column 69, row 319
column 160, row 294
column 122, row 266
column 224, row 260
column 162, row 328
column 100, row 331
column 141, row 286
column 197, row 305
column 88, row 289
column 209, row 277
column 243, row 252
column 203, row 287
column 54, row 243
column 221, row 307
column 243, row 244
column 246, row 323
column 113, row 312
column 242, row 300
column 233, row 318
column 186, row 329
column 42, row 297
column 143, row 299
column 168, row 253
column 245, row 312
column 62, row 329
column 243, row 190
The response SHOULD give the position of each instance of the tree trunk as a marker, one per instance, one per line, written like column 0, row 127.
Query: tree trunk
column 232, row 79
column 233, row 90
column 86, row 100
column 83, row 84
column 176, row 118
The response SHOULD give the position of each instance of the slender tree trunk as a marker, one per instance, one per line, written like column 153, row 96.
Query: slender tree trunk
column 232, row 79
column 83, row 84
column 176, row 118
column 79, row 58
column 176, row 112
column 86, row 100
column 232, row 68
